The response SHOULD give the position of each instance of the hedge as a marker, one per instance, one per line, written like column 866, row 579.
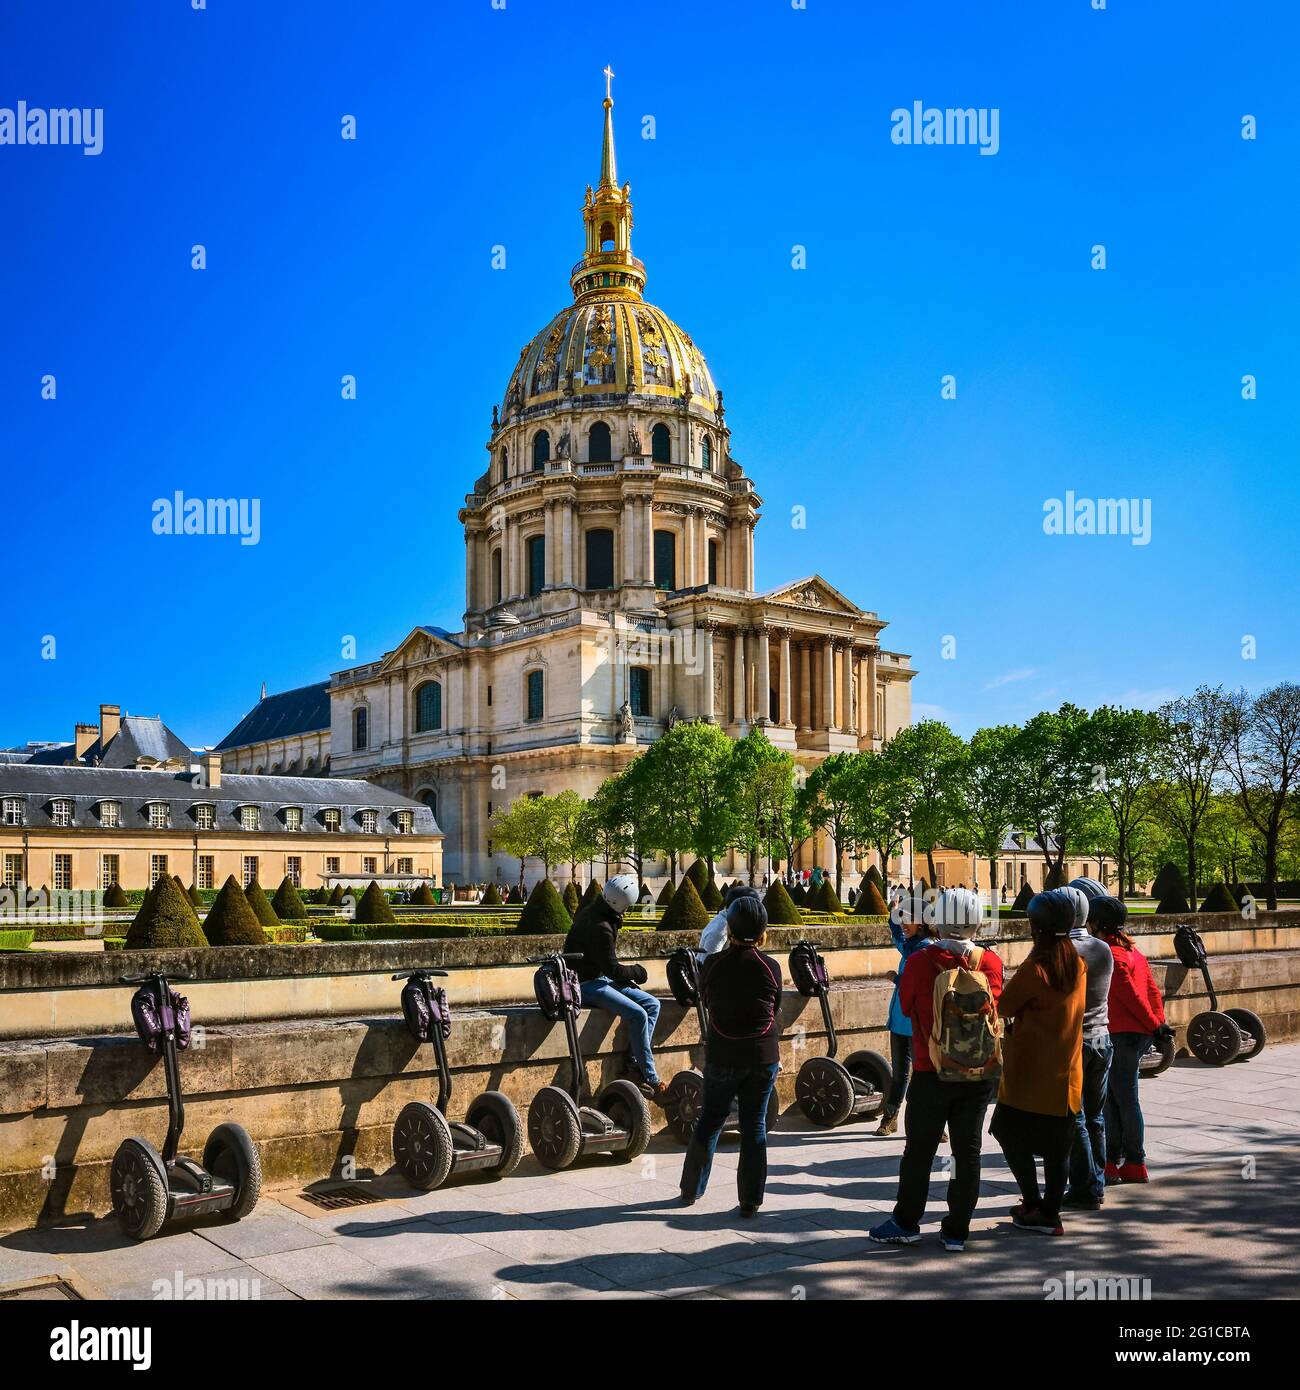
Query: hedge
column 261, row 905
column 231, row 920
column 166, row 918
column 870, row 903
column 686, row 912
column 374, row 908
column 544, row 913
column 666, row 893
column 781, row 911
column 287, row 903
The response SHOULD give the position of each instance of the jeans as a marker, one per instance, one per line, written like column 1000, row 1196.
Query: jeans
column 750, row 1087
column 1088, row 1151
column 638, row 1010
column 1024, row 1168
column 1125, row 1131
column 900, row 1062
column 932, row 1104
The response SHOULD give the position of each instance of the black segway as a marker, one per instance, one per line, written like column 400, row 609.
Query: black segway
column 560, row 1128
column 149, row 1188
column 830, row 1092
column 1217, row 1036
column 427, row 1147
column 685, row 1093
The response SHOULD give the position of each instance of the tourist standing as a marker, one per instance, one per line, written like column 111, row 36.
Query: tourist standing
column 1087, row 1187
column 1137, row 1016
column 714, row 936
column 910, row 934
column 741, row 990
column 955, row 1058
column 1041, row 1092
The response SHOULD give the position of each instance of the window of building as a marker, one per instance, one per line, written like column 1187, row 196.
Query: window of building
column 110, row 870
column 12, row 810
column 600, row 559
column 369, row 864
column 505, row 462
column 360, row 727
column 331, row 864
column 406, row 866
column 250, row 817
column 706, row 452
column 536, row 547
column 62, row 876
column 205, row 816
column 160, row 815
column 206, row 872
column 661, row 444
column 638, row 691
column 428, row 707
column 157, row 868
column 61, row 811
column 13, row 870
column 535, row 705
column 250, row 869
column 665, row 560
column 293, row 817
column 496, row 575
column 541, row 450
column 599, row 445
column 330, row 818
column 404, row 822
column 293, row 869
column 369, row 822
column 713, row 562
column 110, row 814
column 430, row 799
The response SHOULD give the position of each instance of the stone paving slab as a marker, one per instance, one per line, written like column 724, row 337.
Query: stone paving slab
column 1219, row 1219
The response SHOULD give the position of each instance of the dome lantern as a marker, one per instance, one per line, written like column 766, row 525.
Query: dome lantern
column 608, row 267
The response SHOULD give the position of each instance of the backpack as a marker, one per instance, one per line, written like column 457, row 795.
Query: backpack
column 808, row 969
column 965, row 1031
column 1189, row 947
column 151, row 1025
column 681, row 977
column 425, row 1011
column 557, row 989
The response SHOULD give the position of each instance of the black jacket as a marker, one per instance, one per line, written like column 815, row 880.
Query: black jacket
column 741, row 989
column 594, row 933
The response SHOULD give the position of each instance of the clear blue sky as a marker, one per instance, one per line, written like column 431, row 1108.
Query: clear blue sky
column 480, row 126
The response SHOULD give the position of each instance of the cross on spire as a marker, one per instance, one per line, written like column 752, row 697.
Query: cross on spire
column 609, row 77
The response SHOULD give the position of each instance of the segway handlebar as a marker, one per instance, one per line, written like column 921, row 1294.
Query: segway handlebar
column 415, row 974
column 154, row 975
column 568, row 957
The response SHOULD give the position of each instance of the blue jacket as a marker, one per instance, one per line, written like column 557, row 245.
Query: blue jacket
column 907, row 947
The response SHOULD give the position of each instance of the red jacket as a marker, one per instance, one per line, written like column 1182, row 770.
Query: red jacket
column 916, row 991
column 1135, row 1005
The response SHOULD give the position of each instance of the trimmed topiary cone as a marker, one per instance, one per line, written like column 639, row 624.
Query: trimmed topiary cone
column 115, row 897
column 571, row 897
column 827, row 899
column 336, row 896
column 870, row 903
column 287, row 903
column 1218, row 899
column 666, row 893
column 1021, row 902
column 698, row 874
column 374, row 907
column 491, row 896
column 875, row 876
column 686, row 912
column 1175, row 903
column 544, row 913
column 781, row 911
column 232, row 921
column 799, row 895
column 591, row 893
column 1168, row 883
column 423, row 896
column 166, row 918
column 261, row 905
column 195, row 897
column 712, row 896
column 643, row 893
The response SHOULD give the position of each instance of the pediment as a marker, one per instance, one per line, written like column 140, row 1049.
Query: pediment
column 419, row 645
column 814, row 594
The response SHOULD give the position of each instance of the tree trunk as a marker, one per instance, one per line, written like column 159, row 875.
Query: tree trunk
column 1270, row 871
column 929, row 860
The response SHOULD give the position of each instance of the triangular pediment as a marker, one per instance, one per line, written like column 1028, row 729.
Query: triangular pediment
column 814, row 594
column 420, row 644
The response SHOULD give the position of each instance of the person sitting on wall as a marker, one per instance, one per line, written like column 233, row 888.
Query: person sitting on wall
column 608, row 985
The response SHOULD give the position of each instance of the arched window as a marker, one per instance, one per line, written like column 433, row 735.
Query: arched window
column 533, row 695
column 606, row 236
column 665, row 560
column 706, row 453
column 661, row 444
column 505, row 462
column 541, row 450
column 600, row 559
column 428, row 707
column 713, row 562
column 496, row 575
column 360, row 727
column 638, row 691
column 430, row 799
column 599, row 447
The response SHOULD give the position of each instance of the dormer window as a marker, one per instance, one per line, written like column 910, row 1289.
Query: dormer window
column 110, row 814
column 12, row 810
column 293, row 817
column 404, row 821
column 330, row 818
column 160, row 815
column 205, row 816
column 370, row 822
column 250, row 817
column 61, row 811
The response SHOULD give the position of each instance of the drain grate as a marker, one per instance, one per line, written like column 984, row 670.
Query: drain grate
column 336, row 1198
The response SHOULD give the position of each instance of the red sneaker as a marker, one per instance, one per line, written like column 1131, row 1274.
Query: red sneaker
column 1134, row 1172
column 1035, row 1219
column 1112, row 1174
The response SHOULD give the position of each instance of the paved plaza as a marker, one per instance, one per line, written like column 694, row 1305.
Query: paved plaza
column 1218, row 1220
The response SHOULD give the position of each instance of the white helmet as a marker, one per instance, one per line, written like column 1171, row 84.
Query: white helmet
column 957, row 908
column 621, row 892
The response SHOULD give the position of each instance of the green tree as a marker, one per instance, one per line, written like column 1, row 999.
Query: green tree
column 1056, row 797
column 1196, row 733
column 830, row 798
column 1125, row 748
column 762, row 784
column 883, row 801
column 572, row 829
column 526, row 830
column 685, row 792
column 931, row 759
column 1263, row 760
column 989, row 794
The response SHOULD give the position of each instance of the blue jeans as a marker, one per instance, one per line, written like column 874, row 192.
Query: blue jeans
column 750, row 1088
column 638, row 1010
column 1088, row 1151
column 1125, row 1131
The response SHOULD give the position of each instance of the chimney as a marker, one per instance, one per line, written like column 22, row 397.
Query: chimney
column 210, row 764
column 110, row 725
column 83, row 736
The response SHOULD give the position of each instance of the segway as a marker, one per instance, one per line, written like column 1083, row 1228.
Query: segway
column 560, row 1128
column 1217, row 1036
column 685, row 1093
column 830, row 1092
column 427, row 1147
column 149, row 1188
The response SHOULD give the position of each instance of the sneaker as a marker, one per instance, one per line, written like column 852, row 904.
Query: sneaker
column 1081, row 1201
column 952, row 1242
column 748, row 1210
column 1035, row 1219
column 1112, row 1174
column 1134, row 1172
column 687, row 1199
column 891, row 1233
column 888, row 1125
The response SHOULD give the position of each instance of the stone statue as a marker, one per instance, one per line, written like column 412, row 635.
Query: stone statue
column 633, row 439
column 562, row 446
column 495, row 421
column 626, row 722
column 673, row 716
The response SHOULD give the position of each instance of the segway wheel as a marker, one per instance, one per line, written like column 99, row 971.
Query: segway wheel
column 1214, row 1038
column 138, row 1189
column 554, row 1128
column 824, row 1091
column 1253, row 1026
column 1157, row 1058
column 875, row 1071
column 493, row 1114
column 422, row 1147
column 682, row 1101
column 230, row 1154
column 626, row 1106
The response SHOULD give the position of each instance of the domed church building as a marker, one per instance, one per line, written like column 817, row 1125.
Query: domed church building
column 609, row 583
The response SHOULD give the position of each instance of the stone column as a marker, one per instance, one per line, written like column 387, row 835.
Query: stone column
column 763, row 677
column 566, row 545
column 783, row 706
column 689, row 578
column 548, row 544
column 828, row 684
column 704, row 645
column 738, row 675
column 805, row 688
column 701, row 546
column 648, row 541
column 846, row 719
column 869, row 699
column 515, row 587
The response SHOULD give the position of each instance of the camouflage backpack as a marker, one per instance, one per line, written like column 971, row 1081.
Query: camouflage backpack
column 966, row 1031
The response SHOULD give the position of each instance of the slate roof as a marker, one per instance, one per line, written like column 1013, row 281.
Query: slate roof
column 305, row 710
column 141, row 736
column 135, row 789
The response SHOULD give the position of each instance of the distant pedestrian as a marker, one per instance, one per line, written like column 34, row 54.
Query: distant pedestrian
column 1087, row 1187
column 910, row 934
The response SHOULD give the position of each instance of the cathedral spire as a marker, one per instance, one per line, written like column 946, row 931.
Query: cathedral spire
column 608, row 267
column 608, row 164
